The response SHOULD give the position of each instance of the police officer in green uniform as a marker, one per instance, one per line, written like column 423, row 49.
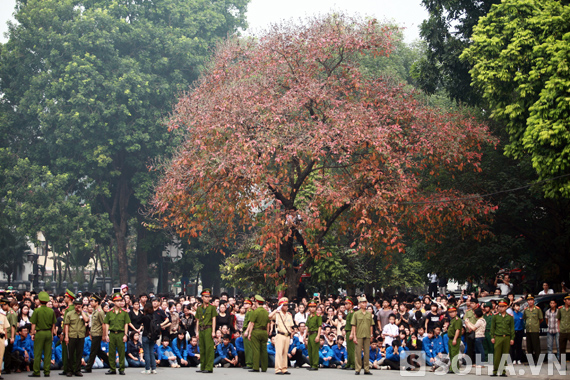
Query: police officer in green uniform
column 96, row 334
column 313, row 324
column 503, row 333
column 487, row 344
column 454, row 335
column 74, row 328
column 533, row 318
column 115, row 329
column 348, row 328
column 257, row 333
column 43, row 329
column 206, row 324
column 68, row 300
column 246, row 342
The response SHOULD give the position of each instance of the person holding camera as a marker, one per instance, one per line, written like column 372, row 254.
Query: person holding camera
column 505, row 286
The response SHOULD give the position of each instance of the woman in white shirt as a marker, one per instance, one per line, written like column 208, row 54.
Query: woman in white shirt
column 301, row 316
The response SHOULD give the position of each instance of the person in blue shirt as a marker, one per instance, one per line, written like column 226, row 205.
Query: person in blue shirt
column 296, row 352
column 339, row 353
column 166, row 354
column 516, row 348
column 430, row 347
column 23, row 350
column 240, row 348
column 226, row 353
column 86, row 350
column 180, row 347
column 271, row 352
column 56, row 356
column 375, row 355
column 393, row 354
column 325, row 353
column 193, row 351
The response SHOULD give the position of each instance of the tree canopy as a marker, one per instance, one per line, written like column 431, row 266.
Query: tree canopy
column 284, row 136
column 520, row 62
column 86, row 85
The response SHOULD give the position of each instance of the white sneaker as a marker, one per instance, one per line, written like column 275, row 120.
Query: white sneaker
column 153, row 372
column 146, row 372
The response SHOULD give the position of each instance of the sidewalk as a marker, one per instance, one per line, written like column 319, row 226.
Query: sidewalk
column 520, row 372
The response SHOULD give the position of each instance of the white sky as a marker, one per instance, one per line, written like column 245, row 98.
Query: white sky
column 261, row 13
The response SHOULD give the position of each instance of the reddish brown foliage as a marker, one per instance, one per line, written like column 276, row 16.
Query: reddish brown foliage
column 287, row 127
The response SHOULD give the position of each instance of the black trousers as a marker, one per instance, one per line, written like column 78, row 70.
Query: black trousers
column 75, row 352
column 19, row 362
column 516, row 349
column 96, row 351
column 8, row 362
column 471, row 347
column 392, row 364
column 533, row 345
column 432, row 289
column 193, row 361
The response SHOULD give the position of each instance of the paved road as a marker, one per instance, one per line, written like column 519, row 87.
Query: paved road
column 520, row 372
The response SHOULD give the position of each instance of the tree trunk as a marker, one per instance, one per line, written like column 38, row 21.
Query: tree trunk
column 121, row 237
column 286, row 254
column 110, row 259
column 118, row 215
column 142, row 261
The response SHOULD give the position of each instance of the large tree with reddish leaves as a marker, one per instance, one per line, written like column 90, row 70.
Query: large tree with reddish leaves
column 287, row 138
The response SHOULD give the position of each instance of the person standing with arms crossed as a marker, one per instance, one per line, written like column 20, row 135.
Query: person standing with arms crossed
column 454, row 335
column 257, row 332
column 362, row 329
column 74, row 332
column 246, row 342
column 43, row 329
column 96, row 334
column 115, row 329
column 349, row 304
column 284, row 322
column 533, row 318
column 67, row 300
column 206, row 325
column 503, row 333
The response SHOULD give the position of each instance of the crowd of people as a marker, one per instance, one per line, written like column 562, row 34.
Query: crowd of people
column 79, row 333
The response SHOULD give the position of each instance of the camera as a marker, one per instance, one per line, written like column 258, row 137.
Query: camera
column 2, row 336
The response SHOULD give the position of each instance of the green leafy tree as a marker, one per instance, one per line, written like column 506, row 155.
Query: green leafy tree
column 447, row 32
column 35, row 199
column 13, row 250
column 520, row 62
column 89, row 81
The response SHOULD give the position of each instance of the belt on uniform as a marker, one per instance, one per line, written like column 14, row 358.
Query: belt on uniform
column 313, row 332
column 205, row 327
column 117, row 332
column 502, row 336
column 280, row 333
column 260, row 328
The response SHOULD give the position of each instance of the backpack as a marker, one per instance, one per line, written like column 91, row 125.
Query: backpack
column 155, row 329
